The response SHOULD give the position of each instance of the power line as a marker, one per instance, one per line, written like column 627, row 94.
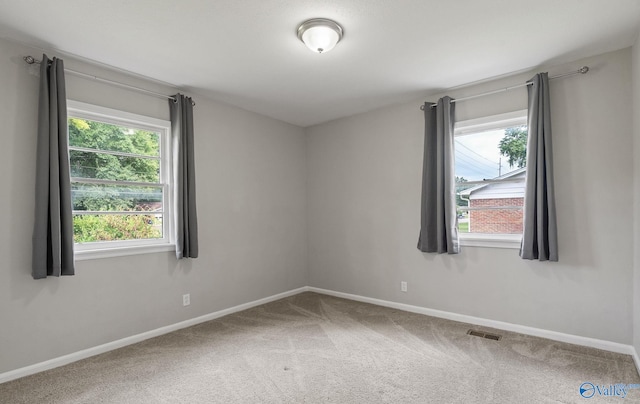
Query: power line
column 465, row 169
column 463, row 156
column 474, row 152
column 466, row 159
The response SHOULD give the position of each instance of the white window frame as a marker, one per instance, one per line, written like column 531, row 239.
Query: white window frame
column 487, row 123
column 106, row 249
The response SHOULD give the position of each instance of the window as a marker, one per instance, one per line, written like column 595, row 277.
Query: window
column 120, row 181
column 490, row 155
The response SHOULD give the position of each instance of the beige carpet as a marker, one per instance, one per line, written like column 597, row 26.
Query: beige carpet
column 312, row 348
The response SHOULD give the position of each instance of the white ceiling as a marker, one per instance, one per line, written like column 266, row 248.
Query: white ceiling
column 246, row 53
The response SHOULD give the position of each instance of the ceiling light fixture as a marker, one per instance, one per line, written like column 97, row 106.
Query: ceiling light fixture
column 320, row 34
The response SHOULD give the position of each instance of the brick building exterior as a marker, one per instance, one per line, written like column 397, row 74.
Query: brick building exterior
column 492, row 196
column 505, row 221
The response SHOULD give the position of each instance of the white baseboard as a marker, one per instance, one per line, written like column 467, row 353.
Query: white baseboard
column 536, row 332
column 552, row 335
column 86, row 353
column 636, row 359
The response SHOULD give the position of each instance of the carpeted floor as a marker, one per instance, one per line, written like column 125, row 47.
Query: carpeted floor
column 312, row 348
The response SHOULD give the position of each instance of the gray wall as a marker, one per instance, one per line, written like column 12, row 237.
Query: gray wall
column 364, row 194
column 251, row 173
column 636, row 188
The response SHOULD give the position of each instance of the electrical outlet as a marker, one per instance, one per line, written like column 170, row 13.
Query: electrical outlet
column 186, row 299
column 403, row 286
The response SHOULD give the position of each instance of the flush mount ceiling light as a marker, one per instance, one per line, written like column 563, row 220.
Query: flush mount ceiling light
column 320, row 34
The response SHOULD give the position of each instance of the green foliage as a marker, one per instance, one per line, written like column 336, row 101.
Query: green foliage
column 103, row 136
column 88, row 164
column 514, row 146
column 463, row 227
column 100, row 136
column 97, row 197
column 88, row 228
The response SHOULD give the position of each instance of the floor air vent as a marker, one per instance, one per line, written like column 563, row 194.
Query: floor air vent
column 484, row 335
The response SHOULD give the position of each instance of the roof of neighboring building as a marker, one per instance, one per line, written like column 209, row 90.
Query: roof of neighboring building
column 493, row 190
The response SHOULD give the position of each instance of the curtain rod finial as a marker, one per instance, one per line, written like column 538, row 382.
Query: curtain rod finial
column 29, row 59
column 583, row 69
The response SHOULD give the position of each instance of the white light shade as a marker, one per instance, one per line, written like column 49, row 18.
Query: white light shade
column 319, row 34
column 320, row 39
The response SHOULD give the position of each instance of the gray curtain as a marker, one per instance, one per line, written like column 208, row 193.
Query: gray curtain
column 439, row 222
column 52, row 253
column 539, row 239
column 186, row 218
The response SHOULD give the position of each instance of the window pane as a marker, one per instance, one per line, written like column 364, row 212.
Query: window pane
column 105, row 136
column 478, row 155
column 98, row 197
column 90, row 228
column 110, row 167
column 119, row 182
column 491, row 155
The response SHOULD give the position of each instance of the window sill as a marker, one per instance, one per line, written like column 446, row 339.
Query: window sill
column 491, row 240
column 88, row 254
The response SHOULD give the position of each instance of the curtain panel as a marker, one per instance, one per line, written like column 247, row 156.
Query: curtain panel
column 52, row 253
column 539, row 238
column 439, row 222
column 184, row 176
